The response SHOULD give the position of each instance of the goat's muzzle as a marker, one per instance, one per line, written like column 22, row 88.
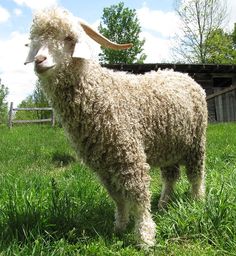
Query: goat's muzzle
column 39, row 59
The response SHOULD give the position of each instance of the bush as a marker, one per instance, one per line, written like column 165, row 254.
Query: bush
column 37, row 99
column 3, row 103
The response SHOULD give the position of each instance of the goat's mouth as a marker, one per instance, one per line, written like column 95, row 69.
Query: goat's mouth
column 42, row 65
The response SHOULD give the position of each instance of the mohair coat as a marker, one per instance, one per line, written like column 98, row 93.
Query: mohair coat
column 121, row 123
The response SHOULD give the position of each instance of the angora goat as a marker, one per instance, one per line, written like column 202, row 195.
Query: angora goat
column 121, row 124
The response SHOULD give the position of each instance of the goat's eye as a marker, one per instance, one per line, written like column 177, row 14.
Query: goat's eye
column 68, row 38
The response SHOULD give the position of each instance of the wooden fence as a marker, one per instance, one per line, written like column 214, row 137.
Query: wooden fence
column 221, row 108
column 12, row 121
column 222, row 105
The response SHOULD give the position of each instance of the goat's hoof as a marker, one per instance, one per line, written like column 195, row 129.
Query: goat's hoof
column 146, row 234
column 119, row 228
column 162, row 205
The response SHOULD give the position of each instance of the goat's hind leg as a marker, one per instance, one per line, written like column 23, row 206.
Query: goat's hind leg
column 169, row 176
column 196, row 176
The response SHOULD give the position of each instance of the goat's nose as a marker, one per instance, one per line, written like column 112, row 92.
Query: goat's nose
column 39, row 59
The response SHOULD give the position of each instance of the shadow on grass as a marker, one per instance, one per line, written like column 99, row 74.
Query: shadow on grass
column 62, row 159
column 85, row 225
column 184, row 197
column 64, row 216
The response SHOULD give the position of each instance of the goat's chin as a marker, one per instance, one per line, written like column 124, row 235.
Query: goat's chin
column 41, row 68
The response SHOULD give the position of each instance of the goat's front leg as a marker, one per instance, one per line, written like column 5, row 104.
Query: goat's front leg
column 145, row 227
column 121, row 215
column 122, row 207
column 137, row 189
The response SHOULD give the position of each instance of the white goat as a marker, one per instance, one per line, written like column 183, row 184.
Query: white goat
column 121, row 124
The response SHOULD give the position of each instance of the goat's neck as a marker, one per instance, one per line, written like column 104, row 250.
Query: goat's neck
column 67, row 86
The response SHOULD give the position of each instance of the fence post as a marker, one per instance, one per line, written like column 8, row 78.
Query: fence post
column 10, row 115
column 53, row 118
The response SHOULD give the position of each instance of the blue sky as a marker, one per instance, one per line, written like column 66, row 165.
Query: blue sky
column 157, row 18
column 20, row 11
column 89, row 10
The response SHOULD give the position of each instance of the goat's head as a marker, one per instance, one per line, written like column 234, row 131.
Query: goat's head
column 57, row 37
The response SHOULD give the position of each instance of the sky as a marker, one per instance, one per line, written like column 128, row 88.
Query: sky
column 157, row 18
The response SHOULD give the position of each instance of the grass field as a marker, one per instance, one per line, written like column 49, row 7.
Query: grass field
column 52, row 205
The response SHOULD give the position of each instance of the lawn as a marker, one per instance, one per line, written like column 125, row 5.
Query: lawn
column 50, row 204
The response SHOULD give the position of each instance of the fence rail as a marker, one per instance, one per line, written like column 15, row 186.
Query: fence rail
column 214, row 95
column 12, row 121
column 221, row 108
column 31, row 109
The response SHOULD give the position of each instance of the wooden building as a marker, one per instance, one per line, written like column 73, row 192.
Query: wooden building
column 219, row 82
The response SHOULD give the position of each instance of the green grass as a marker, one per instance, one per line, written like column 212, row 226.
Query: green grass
column 52, row 205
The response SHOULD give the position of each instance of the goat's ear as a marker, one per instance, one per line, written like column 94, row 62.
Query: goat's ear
column 103, row 41
column 82, row 50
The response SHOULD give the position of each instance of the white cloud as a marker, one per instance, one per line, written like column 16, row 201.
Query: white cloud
column 18, row 12
column 165, row 23
column 232, row 13
column 20, row 79
column 158, row 28
column 36, row 4
column 4, row 15
column 157, row 49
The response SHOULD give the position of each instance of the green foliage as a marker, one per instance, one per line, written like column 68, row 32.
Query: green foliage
column 52, row 205
column 220, row 47
column 27, row 115
column 234, row 36
column 3, row 103
column 37, row 99
column 120, row 24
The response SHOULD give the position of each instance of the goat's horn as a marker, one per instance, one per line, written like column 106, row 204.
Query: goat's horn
column 103, row 40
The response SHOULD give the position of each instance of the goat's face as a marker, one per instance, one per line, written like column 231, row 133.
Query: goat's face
column 47, row 54
column 57, row 37
column 53, row 38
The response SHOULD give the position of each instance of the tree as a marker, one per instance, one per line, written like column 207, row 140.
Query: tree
column 198, row 18
column 27, row 115
column 234, row 36
column 37, row 99
column 3, row 103
column 121, row 25
column 221, row 48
